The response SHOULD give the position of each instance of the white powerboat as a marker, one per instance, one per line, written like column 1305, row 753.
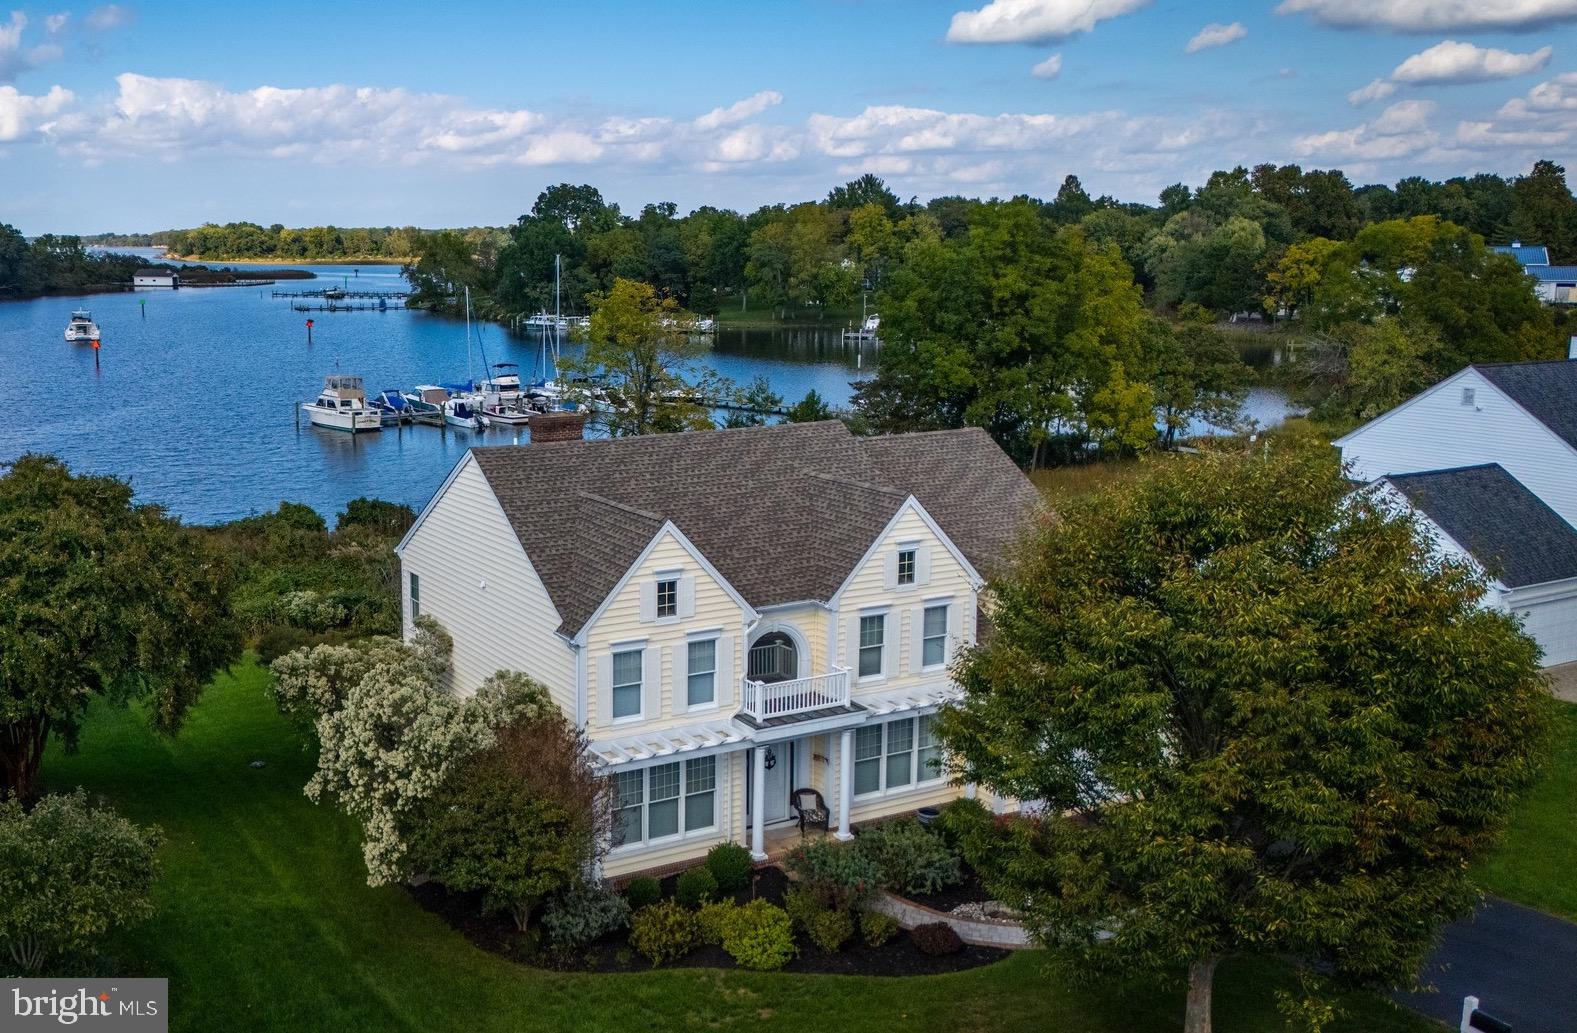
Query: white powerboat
column 426, row 398
column 458, row 413
column 342, row 405
column 82, row 327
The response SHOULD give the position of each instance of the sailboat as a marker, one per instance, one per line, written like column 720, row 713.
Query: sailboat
column 546, row 391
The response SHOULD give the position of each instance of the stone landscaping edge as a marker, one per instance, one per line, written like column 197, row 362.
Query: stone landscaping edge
column 979, row 932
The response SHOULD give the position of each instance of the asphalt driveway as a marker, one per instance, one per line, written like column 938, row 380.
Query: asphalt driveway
column 1521, row 964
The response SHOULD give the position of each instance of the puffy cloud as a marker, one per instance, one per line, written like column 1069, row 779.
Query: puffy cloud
column 1453, row 62
column 1034, row 21
column 21, row 114
column 15, row 58
column 1379, row 89
column 1435, row 15
column 895, row 129
column 1215, row 35
column 739, row 111
column 1049, row 68
column 1400, row 131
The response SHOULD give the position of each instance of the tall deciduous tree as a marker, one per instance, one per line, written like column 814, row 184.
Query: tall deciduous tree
column 1263, row 717
column 103, row 598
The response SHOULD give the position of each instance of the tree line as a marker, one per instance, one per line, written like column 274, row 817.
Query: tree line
column 57, row 263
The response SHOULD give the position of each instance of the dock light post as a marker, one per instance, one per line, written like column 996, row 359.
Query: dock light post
column 309, row 333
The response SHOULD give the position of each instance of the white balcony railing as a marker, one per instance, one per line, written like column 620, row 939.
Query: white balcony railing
column 764, row 700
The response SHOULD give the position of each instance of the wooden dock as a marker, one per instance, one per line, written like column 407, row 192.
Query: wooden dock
column 345, row 306
column 340, row 292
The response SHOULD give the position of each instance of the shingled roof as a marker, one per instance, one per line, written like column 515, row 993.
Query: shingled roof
column 783, row 512
column 1547, row 390
column 1508, row 529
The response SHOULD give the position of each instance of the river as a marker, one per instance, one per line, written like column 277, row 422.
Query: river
column 195, row 392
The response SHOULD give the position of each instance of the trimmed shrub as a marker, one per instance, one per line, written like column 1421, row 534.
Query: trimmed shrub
column 643, row 892
column 936, row 938
column 760, row 936
column 713, row 919
column 695, row 887
column 802, row 906
column 910, row 858
column 877, row 928
column 663, row 932
column 840, row 878
column 584, row 913
column 830, row 930
column 730, row 865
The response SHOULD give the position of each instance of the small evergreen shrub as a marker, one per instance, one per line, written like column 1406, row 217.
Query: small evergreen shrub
column 695, row 887
column 877, row 928
column 730, row 865
column 909, row 857
column 663, row 932
column 760, row 936
column 802, row 906
column 830, row 930
column 643, row 892
column 713, row 919
column 841, row 878
column 584, row 913
column 936, row 938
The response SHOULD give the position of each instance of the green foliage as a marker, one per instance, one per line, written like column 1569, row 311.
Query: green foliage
column 731, row 866
column 695, row 887
column 664, row 932
column 103, row 599
column 802, row 906
column 876, row 928
column 1264, row 717
column 643, row 892
column 713, row 920
column 909, row 858
column 584, row 913
column 837, row 875
column 936, row 938
column 243, row 240
column 809, row 409
column 55, row 263
column 830, row 930
column 760, row 937
column 69, row 873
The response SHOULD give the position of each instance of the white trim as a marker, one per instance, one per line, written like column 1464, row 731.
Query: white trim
column 715, row 631
column 915, row 783
column 801, row 644
column 684, row 834
column 909, row 504
column 582, row 686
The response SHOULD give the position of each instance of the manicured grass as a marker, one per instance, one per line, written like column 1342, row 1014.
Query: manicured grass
column 266, row 923
column 1535, row 864
column 733, row 312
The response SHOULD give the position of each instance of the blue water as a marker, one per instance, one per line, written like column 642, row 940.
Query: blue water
column 194, row 398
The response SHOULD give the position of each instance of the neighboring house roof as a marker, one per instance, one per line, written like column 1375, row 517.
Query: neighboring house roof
column 1553, row 273
column 1547, row 390
column 783, row 512
column 1510, row 531
column 1527, row 254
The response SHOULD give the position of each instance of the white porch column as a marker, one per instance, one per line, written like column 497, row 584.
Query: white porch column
column 970, row 790
column 758, row 804
column 845, row 784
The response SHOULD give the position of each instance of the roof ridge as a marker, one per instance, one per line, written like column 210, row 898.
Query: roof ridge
column 636, row 510
column 1450, row 469
column 855, row 482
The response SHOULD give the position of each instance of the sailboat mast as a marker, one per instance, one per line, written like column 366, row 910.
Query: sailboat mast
column 558, row 265
column 470, row 369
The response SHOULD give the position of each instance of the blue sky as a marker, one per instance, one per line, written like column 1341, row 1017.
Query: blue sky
column 134, row 116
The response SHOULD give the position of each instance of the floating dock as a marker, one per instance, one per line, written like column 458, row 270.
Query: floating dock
column 345, row 292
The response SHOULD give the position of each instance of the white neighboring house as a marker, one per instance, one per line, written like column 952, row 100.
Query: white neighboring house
column 154, row 279
column 730, row 615
column 1520, row 419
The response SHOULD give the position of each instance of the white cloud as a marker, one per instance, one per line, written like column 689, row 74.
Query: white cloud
column 1034, row 21
column 1435, row 15
column 1049, row 68
column 54, row 23
column 21, row 114
column 110, row 16
column 1379, row 89
column 1216, row 35
column 1400, row 131
column 1453, row 62
column 739, row 111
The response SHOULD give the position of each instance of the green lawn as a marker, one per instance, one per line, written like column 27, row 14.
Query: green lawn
column 1535, row 864
column 265, row 923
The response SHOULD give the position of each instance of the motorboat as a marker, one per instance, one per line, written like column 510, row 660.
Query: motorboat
column 426, row 398
column 508, row 415
column 334, row 293
column 82, row 327
column 342, row 405
column 504, row 385
column 392, row 406
column 459, row 413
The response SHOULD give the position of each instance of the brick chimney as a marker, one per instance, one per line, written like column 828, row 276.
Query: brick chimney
column 558, row 426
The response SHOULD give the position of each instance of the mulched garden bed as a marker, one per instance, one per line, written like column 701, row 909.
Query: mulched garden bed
column 970, row 891
column 497, row 934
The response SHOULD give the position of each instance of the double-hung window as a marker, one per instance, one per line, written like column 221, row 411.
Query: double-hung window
column 416, row 596
column 907, row 564
column 664, row 800
column 626, row 688
column 933, row 645
column 701, row 689
column 930, row 756
column 668, row 597
column 873, row 639
column 900, row 753
column 896, row 755
column 867, row 759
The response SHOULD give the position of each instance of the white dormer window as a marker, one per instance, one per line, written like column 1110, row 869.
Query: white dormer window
column 908, row 563
column 1467, row 396
column 668, row 598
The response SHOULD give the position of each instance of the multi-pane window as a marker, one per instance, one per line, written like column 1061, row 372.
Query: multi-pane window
column 416, row 597
column 896, row 755
column 906, row 566
column 668, row 598
column 933, row 645
column 702, row 673
column 626, row 687
column 663, row 800
column 873, row 636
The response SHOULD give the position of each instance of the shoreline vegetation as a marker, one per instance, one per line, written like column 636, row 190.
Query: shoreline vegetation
column 272, row 261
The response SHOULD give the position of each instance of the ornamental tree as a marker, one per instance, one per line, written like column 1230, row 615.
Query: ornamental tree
column 69, row 873
column 1264, row 718
column 101, row 598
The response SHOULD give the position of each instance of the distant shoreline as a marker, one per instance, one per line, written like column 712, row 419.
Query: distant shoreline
column 290, row 261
